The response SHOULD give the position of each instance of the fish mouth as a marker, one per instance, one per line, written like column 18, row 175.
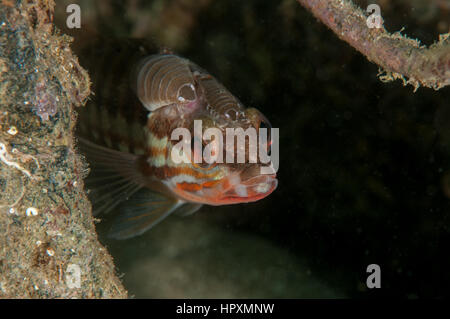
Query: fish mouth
column 243, row 186
column 247, row 186
column 251, row 189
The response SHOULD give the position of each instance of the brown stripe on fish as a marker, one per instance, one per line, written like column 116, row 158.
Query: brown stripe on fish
column 187, row 170
column 186, row 186
column 114, row 80
column 105, row 128
column 161, row 125
column 114, row 114
column 151, row 167
column 116, row 89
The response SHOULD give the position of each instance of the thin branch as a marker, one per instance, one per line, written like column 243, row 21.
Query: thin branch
column 399, row 56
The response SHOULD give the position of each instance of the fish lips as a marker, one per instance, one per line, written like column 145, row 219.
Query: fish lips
column 251, row 189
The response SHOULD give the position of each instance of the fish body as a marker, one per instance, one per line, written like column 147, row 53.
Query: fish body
column 126, row 132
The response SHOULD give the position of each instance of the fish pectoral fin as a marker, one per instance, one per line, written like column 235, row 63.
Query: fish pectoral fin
column 113, row 161
column 187, row 209
column 144, row 210
column 114, row 176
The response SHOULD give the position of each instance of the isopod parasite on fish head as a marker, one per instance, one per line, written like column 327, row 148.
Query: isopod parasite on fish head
column 164, row 79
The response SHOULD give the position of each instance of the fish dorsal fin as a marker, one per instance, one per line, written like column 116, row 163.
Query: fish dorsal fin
column 143, row 211
column 114, row 176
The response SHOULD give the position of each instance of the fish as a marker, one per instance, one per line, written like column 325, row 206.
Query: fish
column 141, row 96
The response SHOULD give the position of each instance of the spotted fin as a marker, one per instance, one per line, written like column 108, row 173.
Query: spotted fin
column 114, row 176
column 143, row 211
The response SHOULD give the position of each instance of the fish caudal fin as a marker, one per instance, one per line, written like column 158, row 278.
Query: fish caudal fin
column 143, row 211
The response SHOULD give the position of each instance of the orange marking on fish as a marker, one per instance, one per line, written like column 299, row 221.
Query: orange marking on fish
column 157, row 151
column 210, row 184
column 226, row 184
column 173, row 171
column 204, row 168
column 189, row 187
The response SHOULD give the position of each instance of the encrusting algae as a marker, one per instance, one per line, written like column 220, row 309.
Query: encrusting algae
column 128, row 133
column 48, row 244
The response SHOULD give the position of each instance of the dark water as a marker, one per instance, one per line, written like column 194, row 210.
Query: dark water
column 364, row 172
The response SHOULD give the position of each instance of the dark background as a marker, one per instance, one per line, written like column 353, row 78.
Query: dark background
column 364, row 166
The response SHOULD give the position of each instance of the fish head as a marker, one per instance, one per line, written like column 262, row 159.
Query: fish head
column 224, row 158
column 244, row 185
column 222, row 162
